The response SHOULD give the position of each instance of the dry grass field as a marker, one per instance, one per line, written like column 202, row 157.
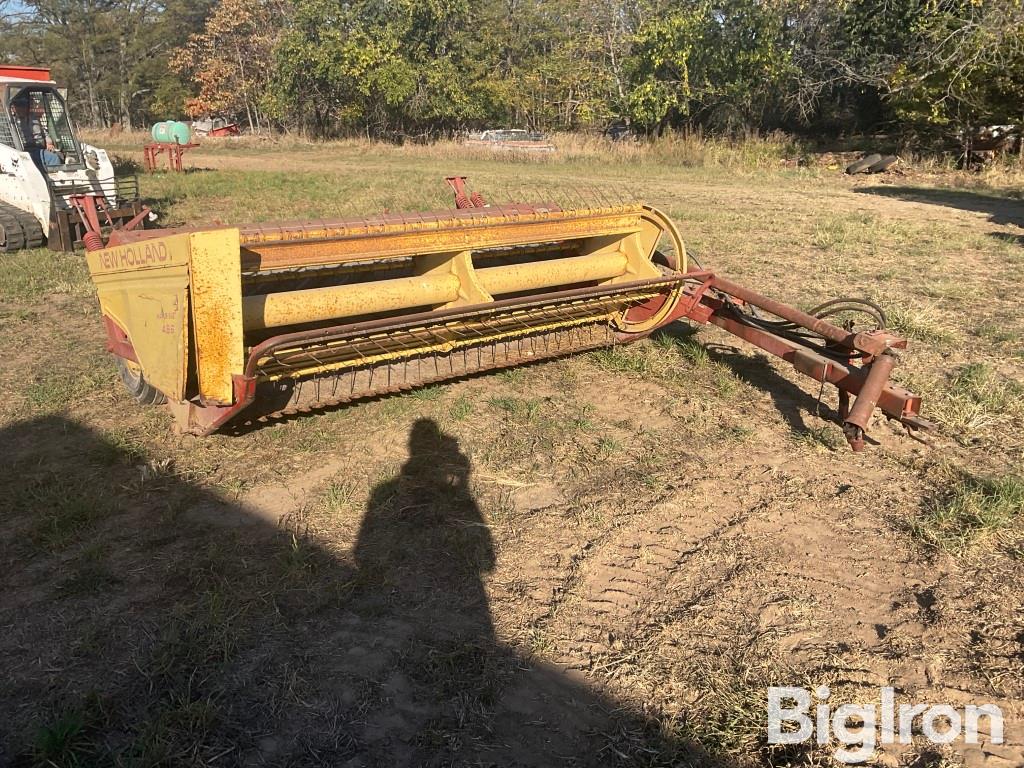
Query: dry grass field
column 602, row 560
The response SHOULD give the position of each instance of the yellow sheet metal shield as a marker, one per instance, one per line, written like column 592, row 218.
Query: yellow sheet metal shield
column 143, row 288
column 217, row 312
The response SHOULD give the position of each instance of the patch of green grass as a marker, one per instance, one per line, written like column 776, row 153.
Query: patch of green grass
column 427, row 394
column 607, row 446
column 30, row 275
column 513, row 376
column 55, row 392
column 311, row 434
column 462, row 408
column 726, row 719
column 518, row 408
column 62, row 514
column 396, row 406
column 922, row 322
column 467, row 673
column 624, row 359
column 831, row 235
column 120, row 446
column 197, row 635
column 669, row 359
column 998, row 333
column 18, row 316
column 340, row 496
column 588, row 512
column 183, row 720
column 977, row 397
column 300, row 559
column 970, row 510
column 694, row 353
column 820, row 438
column 63, row 742
column 845, row 235
column 89, row 574
column 582, row 419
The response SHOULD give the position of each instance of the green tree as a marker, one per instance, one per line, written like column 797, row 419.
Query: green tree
column 112, row 55
column 723, row 63
column 395, row 68
column 966, row 66
column 227, row 60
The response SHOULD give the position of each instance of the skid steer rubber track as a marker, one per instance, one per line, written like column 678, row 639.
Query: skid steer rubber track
column 18, row 229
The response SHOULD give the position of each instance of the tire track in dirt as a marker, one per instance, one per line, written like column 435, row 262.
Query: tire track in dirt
column 800, row 553
column 631, row 578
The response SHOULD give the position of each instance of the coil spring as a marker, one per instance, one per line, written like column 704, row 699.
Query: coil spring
column 93, row 241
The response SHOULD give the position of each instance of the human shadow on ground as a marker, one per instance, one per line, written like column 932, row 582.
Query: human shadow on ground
column 1000, row 209
column 148, row 620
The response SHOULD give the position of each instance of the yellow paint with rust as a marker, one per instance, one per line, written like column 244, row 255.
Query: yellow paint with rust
column 402, row 240
column 161, row 290
column 143, row 288
column 449, row 282
column 534, row 275
column 460, row 265
column 431, row 223
column 180, row 298
column 311, row 304
column 216, row 288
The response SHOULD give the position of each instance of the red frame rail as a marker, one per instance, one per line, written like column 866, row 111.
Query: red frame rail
column 710, row 298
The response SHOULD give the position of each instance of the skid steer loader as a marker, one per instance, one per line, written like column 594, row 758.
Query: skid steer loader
column 50, row 182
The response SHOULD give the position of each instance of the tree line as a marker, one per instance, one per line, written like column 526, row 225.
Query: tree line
column 401, row 68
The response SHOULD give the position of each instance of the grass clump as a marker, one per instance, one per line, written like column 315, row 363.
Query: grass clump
column 63, row 514
column 519, row 409
column 977, row 397
column 671, row 360
column 461, row 409
column 340, row 496
column 63, row 741
column 820, row 438
column 919, row 322
column 971, row 510
column 90, row 574
column 53, row 393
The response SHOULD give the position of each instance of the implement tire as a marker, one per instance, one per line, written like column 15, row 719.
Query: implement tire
column 137, row 385
column 883, row 165
column 860, row 166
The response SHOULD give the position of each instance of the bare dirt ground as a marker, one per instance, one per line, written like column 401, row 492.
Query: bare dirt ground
column 603, row 560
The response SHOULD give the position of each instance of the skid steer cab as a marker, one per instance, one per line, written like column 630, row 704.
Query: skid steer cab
column 52, row 184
